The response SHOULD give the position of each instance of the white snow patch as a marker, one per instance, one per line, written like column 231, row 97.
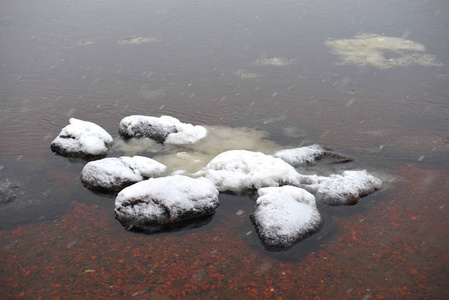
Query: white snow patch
column 241, row 170
column 342, row 189
column 159, row 200
column 83, row 136
column 285, row 215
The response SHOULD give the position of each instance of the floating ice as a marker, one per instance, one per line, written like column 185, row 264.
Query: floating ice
column 116, row 173
column 166, row 129
column 240, row 170
column 243, row 74
column 372, row 49
column 344, row 189
column 80, row 139
column 285, row 215
column 166, row 200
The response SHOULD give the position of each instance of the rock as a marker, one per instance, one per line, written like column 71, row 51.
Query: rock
column 284, row 216
column 239, row 171
column 310, row 154
column 8, row 191
column 344, row 189
column 165, row 200
column 113, row 174
column 81, row 139
column 165, row 130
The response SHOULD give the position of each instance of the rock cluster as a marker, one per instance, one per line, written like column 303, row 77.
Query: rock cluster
column 148, row 199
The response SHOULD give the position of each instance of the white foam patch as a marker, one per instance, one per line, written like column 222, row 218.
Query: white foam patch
column 240, row 170
column 285, row 214
column 246, row 75
column 136, row 40
column 373, row 49
column 275, row 61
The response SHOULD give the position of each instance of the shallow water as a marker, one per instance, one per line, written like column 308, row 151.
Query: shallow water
column 261, row 76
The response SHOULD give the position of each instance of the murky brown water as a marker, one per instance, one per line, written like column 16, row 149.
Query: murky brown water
column 262, row 65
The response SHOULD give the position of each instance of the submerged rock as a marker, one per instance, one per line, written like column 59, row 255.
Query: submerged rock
column 344, row 189
column 8, row 191
column 165, row 130
column 310, row 154
column 284, row 216
column 81, row 139
column 115, row 173
column 238, row 171
column 165, row 200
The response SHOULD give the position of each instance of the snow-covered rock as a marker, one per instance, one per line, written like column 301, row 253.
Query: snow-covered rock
column 166, row 129
column 81, row 139
column 300, row 156
column 285, row 215
column 309, row 154
column 115, row 173
column 166, row 200
column 344, row 189
column 240, row 170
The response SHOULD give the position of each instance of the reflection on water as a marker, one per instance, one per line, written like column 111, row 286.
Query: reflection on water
column 259, row 65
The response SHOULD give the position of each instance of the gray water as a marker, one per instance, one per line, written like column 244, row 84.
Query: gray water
column 259, row 65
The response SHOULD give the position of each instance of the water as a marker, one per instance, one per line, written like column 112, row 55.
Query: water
column 258, row 65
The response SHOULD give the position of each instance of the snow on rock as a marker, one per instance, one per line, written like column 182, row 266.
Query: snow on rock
column 240, row 170
column 309, row 154
column 285, row 215
column 300, row 156
column 344, row 189
column 166, row 129
column 81, row 139
column 115, row 173
column 166, row 200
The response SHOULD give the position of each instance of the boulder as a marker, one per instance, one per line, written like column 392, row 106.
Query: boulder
column 310, row 154
column 115, row 173
column 166, row 200
column 284, row 216
column 239, row 171
column 81, row 139
column 164, row 130
column 344, row 189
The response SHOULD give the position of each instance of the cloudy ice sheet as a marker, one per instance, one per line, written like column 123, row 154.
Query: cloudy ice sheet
column 158, row 200
column 285, row 215
column 344, row 189
column 371, row 49
column 83, row 136
column 240, row 170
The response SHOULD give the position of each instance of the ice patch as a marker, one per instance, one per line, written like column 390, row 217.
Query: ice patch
column 344, row 189
column 373, row 50
column 113, row 174
column 246, row 75
column 81, row 138
column 285, row 215
column 240, row 170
